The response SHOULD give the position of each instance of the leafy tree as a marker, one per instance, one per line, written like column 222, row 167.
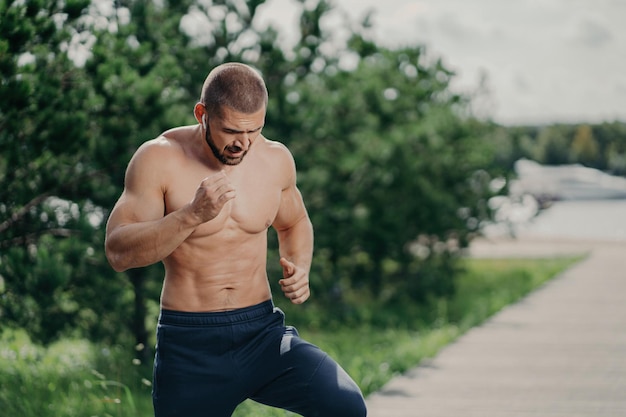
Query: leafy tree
column 584, row 146
column 50, row 234
column 553, row 146
column 390, row 162
column 387, row 165
column 601, row 146
column 612, row 140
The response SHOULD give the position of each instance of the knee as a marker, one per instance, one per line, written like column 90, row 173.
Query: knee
column 354, row 406
column 335, row 394
column 347, row 404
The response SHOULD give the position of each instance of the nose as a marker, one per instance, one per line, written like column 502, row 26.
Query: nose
column 244, row 141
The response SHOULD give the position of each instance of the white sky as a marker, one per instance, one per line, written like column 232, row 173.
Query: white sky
column 546, row 61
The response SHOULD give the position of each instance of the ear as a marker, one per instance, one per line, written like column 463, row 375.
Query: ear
column 199, row 112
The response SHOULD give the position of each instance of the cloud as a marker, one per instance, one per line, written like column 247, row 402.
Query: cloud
column 593, row 33
column 452, row 26
column 546, row 60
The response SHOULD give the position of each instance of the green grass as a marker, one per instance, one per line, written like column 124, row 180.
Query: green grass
column 75, row 378
column 71, row 378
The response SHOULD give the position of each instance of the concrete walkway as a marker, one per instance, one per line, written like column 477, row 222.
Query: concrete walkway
column 561, row 351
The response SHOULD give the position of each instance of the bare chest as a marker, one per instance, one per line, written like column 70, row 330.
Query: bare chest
column 252, row 211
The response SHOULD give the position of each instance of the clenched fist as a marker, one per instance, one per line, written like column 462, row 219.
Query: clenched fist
column 295, row 282
column 212, row 194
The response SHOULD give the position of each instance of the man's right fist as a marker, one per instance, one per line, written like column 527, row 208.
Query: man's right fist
column 212, row 194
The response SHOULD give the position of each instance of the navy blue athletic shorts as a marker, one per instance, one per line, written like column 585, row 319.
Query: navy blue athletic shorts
column 208, row 363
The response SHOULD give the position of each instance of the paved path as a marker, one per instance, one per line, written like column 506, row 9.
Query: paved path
column 561, row 351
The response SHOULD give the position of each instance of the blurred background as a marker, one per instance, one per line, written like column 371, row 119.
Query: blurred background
column 537, row 62
column 416, row 126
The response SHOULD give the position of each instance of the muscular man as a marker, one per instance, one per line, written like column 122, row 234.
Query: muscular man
column 200, row 199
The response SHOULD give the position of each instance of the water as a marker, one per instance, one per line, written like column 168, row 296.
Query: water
column 587, row 204
column 574, row 219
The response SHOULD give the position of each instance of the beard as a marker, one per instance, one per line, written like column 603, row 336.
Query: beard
column 221, row 156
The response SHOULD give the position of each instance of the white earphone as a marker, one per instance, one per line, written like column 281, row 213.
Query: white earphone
column 204, row 121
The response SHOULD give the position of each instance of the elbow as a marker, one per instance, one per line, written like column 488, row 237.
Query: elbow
column 116, row 262
column 116, row 259
column 118, row 267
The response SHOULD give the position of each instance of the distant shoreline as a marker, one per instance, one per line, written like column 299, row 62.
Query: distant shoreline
column 576, row 220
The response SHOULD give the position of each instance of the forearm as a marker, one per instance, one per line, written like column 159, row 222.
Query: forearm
column 296, row 243
column 140, row 244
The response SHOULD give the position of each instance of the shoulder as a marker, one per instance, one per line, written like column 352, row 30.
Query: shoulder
column 280, row 157
column 156, row 157
column 169, row 142
column 165, row 147
column 280, row 154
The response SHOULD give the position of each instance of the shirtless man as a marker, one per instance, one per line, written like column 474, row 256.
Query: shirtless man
column 200, row 199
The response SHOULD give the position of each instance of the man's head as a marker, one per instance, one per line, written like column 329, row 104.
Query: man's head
column 233, row 85
column 232, row 110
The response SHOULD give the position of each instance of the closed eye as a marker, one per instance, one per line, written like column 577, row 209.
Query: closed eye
column 236, row 132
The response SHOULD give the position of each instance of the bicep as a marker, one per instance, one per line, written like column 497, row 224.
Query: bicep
column 292, row 209
column 142, row 198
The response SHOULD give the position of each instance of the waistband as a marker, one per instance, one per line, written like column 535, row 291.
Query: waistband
column 216, row 318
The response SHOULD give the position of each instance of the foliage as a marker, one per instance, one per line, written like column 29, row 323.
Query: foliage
column 394, row 169
column 50, row 228
column 68, row 129
column 389, row 166
column 601, row 146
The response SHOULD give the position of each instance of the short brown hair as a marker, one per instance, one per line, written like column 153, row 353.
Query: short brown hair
column 235, row 85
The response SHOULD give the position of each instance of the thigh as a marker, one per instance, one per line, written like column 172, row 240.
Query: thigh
column 193, row 374
column 305, row 380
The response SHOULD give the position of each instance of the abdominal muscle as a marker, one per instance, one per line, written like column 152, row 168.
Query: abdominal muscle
column 202, row 277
